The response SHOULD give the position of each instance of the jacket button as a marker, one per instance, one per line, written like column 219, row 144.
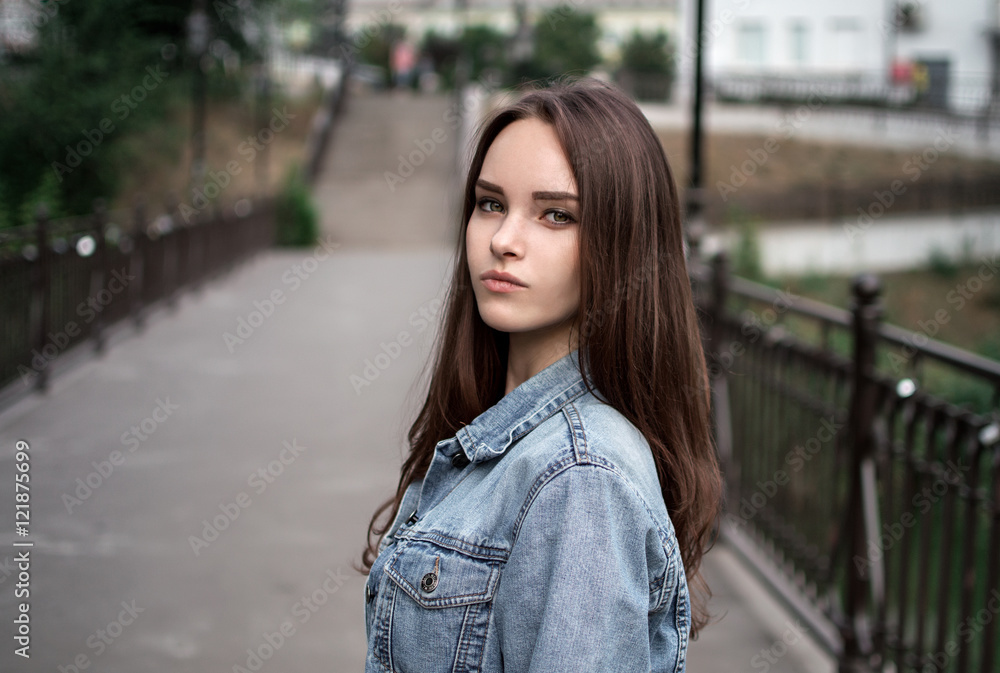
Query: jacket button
column 460, row 460
column 369, row 594
column 429, row 582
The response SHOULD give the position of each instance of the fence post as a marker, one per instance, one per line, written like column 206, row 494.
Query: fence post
column 861, row 522
column 170, row 249
column 41, row 305
column 137, row 263
column 98, row 272
column 718, row 380
column 720, row 288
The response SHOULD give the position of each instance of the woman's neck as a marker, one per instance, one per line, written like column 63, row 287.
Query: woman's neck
column 531, row 352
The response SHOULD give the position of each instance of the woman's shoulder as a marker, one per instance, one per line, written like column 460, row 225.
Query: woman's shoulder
column 605, row 436
column 591, row 434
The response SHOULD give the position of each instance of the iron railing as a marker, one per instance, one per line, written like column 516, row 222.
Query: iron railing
column 866, row 500
column 66, row 282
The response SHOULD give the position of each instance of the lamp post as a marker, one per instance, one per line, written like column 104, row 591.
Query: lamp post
column 694, row 219
column 197, row 39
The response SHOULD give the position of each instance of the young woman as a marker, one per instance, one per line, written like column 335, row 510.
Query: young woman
column 562, row 484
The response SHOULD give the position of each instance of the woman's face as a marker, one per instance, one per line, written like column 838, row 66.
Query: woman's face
column 526, row 224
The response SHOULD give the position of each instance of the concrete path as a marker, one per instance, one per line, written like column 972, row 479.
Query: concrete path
column 199, row 493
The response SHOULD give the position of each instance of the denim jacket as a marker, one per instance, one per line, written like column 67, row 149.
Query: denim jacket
column 538, row 541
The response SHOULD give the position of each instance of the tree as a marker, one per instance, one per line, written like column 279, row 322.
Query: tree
column 67, row 105
column 565, row 42
column 647, row 70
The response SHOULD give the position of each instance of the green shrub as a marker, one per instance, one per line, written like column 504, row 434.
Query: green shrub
column 565, row 42
column 746, row 255
column 941, row 264
column 296, row 213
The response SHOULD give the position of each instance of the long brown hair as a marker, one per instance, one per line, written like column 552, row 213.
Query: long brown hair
column 637, row 324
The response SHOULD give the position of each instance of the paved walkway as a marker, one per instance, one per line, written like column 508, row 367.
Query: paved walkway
column 200, row 492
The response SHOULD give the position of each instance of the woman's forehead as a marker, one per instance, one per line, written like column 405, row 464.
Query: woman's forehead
column 528, row 153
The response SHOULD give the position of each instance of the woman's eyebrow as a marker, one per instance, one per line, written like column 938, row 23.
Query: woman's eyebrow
column 554, row 196
column 538, row 196
column 489, row 186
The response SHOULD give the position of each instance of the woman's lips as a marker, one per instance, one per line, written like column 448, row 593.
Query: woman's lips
column 501, row 281
column 495, row 285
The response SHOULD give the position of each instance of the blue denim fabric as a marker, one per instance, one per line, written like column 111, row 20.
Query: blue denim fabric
column 538, row 541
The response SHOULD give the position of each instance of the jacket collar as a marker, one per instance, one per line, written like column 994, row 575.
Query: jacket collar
column 522, row 409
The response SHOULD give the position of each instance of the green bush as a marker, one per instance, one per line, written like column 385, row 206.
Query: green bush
column 646, row 70
column 565, row 42
column 746, row 255
column 941, row 264
column 648, row 54
column 296, row 213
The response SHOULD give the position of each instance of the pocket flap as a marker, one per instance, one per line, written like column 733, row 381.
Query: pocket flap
column 436, row 577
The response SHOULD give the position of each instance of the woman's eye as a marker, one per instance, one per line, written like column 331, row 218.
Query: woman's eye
column 559, row 217
column 490, row 205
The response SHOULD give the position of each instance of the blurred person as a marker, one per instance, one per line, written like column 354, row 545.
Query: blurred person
column 404, row 58
column 561, row 485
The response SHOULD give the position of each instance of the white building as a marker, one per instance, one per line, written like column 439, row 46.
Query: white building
column 943, row 51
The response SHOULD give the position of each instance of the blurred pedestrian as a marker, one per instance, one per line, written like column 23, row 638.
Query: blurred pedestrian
column 404, row 58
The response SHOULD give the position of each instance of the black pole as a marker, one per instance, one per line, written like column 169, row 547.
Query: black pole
column 694, row 198
column 197, row 45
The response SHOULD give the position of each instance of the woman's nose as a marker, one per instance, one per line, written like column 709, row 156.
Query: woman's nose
column 508, row 240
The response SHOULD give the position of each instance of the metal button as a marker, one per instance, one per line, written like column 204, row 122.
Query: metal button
column 369, row 594
column 460, row 460
column 413, row 518
column 429, row 582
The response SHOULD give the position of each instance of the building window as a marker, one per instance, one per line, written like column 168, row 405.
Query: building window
column 750, row 43
column 847, row 44
column 799, row 42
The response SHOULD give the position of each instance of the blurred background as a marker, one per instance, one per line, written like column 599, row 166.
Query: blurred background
column 226, row 228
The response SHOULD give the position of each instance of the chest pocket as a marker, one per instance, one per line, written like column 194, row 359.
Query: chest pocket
column 436, row 611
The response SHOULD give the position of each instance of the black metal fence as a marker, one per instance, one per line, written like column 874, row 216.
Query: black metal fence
column 66, row 282
column 870, row 505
